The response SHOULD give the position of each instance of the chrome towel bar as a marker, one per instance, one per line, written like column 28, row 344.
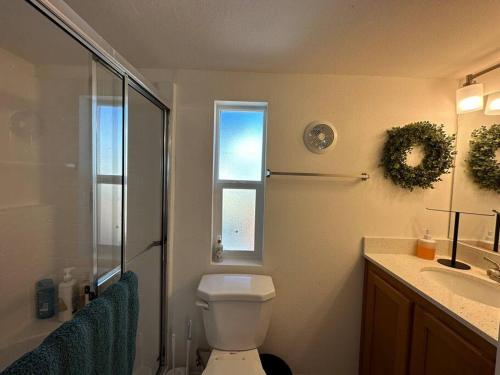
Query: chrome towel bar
column 363, row 176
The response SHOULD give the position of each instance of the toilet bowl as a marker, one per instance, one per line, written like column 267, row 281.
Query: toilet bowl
column 236, row 312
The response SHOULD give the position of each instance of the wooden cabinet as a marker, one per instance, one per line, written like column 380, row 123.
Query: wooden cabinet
column 403, row 333
column 387, row 326
column 437, row 350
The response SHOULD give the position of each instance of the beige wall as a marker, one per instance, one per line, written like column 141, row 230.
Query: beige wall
column 313, row 228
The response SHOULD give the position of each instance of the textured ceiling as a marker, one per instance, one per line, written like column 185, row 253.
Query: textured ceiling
column 412, row 38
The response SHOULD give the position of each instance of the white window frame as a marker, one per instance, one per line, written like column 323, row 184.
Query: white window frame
column 219, row 185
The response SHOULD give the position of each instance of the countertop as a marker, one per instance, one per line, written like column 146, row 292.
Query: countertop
column 399, row 261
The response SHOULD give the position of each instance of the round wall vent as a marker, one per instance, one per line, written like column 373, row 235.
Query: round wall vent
column 320, row 137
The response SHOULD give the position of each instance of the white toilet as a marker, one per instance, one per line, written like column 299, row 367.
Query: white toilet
column 236, row 313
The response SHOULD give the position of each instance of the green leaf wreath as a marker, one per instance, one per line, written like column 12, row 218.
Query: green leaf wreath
column 481, row 161
column 438, row 154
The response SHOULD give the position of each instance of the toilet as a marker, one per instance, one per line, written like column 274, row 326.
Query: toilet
column 236, row 311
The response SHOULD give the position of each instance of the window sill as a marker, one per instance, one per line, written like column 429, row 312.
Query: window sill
column 228, row 261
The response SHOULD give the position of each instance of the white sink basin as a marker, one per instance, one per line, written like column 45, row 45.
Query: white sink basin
column 465, row 285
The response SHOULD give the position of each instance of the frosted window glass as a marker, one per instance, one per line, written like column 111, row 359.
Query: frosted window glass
column 109, row 198
column 238, row 219
column 240, row 145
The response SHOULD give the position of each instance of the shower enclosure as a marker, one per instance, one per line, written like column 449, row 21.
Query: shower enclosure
column 84, row 167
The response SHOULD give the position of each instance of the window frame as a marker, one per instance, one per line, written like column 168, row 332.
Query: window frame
column 219, row 185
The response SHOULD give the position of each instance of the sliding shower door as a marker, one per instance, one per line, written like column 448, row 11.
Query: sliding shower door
column 144, row 213
column 83, row 166
column 45, row 220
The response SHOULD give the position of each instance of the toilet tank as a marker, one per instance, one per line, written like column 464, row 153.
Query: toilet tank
column 236, row 309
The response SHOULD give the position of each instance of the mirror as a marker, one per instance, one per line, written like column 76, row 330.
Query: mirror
column 467, row 195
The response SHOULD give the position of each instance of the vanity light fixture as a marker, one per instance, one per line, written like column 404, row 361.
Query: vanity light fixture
column 493, row 104
column 470, row 97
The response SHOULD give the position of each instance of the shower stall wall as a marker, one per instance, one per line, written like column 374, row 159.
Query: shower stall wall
column 84, row 166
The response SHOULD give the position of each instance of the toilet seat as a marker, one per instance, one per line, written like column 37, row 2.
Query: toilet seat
column 245, row 362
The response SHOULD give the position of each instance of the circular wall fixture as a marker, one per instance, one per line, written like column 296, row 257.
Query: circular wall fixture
column 320, row 137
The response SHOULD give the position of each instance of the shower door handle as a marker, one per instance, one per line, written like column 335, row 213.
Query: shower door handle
column 154, row 243
column 150, row 246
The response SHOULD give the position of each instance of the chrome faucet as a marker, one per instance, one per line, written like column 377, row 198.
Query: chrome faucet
column 493, row 273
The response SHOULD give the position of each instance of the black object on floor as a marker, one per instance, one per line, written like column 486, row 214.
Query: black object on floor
column 274, row 365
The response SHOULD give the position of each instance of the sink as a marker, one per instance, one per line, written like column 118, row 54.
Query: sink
column 465, row 285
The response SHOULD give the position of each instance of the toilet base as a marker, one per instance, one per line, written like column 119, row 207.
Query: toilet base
column 245, row 362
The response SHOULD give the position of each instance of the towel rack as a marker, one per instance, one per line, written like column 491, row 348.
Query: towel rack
column 363, row 176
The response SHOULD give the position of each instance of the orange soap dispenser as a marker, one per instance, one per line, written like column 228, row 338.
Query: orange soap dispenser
column 426, row 247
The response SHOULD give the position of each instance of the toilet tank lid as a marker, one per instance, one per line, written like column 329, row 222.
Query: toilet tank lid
column 236, row 287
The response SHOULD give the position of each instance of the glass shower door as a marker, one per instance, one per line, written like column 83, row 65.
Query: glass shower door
column 45, row 220
column 144, row 222
column 63, row 196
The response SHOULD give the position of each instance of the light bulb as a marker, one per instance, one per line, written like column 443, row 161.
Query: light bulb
column 493, row 104
column 470, row 98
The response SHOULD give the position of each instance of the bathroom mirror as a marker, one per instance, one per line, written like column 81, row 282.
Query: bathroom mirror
column 467, row 195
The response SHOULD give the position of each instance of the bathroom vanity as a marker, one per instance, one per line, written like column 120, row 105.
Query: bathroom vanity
column 412, row 325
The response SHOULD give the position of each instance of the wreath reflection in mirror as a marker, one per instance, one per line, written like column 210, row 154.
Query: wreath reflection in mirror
column 482, row 162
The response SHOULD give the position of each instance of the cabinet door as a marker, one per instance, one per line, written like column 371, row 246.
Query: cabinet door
column 386, row 331
column 437, row 350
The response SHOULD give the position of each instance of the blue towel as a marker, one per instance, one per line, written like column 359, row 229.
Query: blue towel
column 99, row 340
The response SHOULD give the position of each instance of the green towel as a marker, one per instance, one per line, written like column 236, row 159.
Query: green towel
column 99, row 340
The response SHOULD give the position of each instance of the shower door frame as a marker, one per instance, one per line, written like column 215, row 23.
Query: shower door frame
column 63, row 16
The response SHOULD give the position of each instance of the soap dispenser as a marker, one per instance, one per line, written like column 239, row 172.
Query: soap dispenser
column 68, row 296
column 487, row 242
column 426, row 247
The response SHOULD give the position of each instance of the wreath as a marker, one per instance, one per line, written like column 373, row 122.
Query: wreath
column 481, row 161
column 438, row 154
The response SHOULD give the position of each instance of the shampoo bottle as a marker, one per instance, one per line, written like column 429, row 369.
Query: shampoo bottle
column 84, row 291
column 45, row 298
column 426, row 247
column 487, row 242
column 68, row 296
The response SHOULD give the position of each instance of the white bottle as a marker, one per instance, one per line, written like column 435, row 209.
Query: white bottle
column 67, row 292
column 487, row 242
column 218, row 251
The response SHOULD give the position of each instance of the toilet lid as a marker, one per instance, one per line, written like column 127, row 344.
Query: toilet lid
column 236, row 287
column 230, row 363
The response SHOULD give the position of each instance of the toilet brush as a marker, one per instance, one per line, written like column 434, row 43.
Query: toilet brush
column 176, row 370
column 188, row 345
column 173, row 352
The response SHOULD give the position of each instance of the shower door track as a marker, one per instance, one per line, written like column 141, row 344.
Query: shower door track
column 65, row 18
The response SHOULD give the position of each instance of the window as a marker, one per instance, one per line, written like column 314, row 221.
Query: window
column 109, row 174
column 239, row 178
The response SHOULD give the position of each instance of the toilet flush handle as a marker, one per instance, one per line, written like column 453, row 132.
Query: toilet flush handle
column 202, row 304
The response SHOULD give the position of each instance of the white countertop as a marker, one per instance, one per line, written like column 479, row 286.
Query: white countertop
column 399, row 261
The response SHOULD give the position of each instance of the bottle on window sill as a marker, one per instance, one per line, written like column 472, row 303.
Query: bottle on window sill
column 218, row 250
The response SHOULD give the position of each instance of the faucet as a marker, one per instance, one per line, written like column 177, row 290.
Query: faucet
column 493, row 273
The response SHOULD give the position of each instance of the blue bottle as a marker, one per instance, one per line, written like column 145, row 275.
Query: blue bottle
column 45, row 298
